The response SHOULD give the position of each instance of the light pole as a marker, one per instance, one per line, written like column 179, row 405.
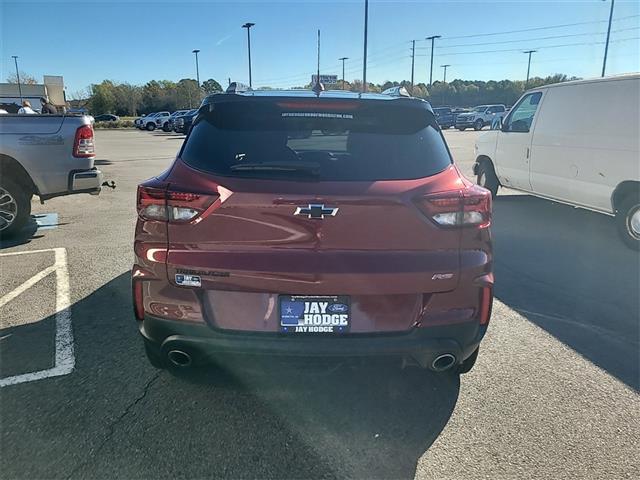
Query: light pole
column 606, row 45
column 197, row 67
column 342, row 60
column 15, row 59
column 526, row 84
column 445, row 71
column 248, row 26
column 366, row 27
column 413, row 61
column 432, row 38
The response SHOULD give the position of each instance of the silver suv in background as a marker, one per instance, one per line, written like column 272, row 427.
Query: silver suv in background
column 480, row 116
column 44, row 155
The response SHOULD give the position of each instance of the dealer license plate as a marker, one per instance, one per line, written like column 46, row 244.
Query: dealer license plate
column 314, row 314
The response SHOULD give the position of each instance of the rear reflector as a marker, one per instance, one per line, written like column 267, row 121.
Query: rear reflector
column 138, row 301
column 172, row 206
column 83, row 144
column 485, row 305
column 470, row 207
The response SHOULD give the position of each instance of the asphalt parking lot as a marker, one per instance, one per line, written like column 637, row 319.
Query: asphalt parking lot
column 554, row 393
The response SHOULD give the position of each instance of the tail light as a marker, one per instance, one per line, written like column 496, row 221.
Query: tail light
column 83, row 144
column 460, row 208
column 172, row 206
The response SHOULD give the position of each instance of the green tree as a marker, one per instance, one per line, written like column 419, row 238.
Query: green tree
column 103, row 99
column 211, row 86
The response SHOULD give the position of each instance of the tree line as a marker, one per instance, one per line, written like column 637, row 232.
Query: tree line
column 158, row 95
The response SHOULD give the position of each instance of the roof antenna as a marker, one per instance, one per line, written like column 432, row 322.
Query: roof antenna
column 318, row 87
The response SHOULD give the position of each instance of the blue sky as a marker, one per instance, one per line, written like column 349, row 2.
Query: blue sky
column 136, row 41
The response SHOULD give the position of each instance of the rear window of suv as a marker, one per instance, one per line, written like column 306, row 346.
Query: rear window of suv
column 326, row 140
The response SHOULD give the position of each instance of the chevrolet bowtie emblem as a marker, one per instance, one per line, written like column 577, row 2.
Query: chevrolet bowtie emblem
column 317, row 211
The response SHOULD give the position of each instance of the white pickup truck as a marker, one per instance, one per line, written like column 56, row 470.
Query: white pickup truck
column 573, row 142
column 154, row 120
column 44, row 155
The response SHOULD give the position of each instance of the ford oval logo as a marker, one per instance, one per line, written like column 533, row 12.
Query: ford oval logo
column 338, row 308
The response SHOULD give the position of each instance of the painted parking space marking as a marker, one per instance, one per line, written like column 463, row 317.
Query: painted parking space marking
column 64, row 350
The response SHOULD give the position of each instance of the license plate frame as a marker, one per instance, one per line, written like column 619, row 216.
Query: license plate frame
column 329, row 314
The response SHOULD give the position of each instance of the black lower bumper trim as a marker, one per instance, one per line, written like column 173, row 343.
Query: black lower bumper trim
column 422, row 344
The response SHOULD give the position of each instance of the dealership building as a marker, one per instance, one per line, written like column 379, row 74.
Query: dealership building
column 52, row 87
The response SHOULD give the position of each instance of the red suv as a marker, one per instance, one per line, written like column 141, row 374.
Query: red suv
column 300, row 224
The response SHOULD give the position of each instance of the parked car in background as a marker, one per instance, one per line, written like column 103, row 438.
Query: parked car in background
column 138, row 121
column 479, row 117
column 158, row 120
column 590, row 160
column 259, row 241
column 44, row 155
column 183, row 122
column 107, row 117
column 445, row 117
column 170, row 124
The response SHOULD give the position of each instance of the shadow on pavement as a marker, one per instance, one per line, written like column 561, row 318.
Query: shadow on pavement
column 25, row 236
column 117, row 417
column 566, row 270
column 102, row 162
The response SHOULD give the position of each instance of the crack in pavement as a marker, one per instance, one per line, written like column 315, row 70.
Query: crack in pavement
column 112, row 426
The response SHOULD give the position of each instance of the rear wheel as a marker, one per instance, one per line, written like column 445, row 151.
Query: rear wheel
column 628, row 220
column 487, row 177
column 151, row 126
column 467, row 365
column 462, row 129
column 478, row 125
column 165, row 127
column 15, row 207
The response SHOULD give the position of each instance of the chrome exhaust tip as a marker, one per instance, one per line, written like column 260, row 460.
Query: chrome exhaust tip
column 443, row 362
column 179, row 358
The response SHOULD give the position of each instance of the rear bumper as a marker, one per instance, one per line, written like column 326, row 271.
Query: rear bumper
column 422, row 345
column 80, row 181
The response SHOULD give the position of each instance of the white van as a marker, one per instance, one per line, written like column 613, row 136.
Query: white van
column 573, row 142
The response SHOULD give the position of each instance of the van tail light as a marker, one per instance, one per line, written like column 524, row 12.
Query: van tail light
column 83, row 144
column 470, row 207
column 171, row 206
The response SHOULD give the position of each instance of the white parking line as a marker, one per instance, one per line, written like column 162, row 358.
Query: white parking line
column 64, row 358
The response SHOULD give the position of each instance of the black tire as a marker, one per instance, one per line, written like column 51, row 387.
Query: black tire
column 467, row 365
column 15, row 207
column 478, row 125
column 165, row 127
column 462, row 129
column 487, row 178
column 153, row 355
column 628, row 220
column 151, row 126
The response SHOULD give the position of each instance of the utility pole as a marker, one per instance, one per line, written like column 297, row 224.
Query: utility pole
column 197, row 69
column 432, row 38
column 526, row 84
column 366, row 26
column 413, row 61
column 445, row 71
column 248, row 26
column 15, row 59
column 342, row 60
column 606, row 45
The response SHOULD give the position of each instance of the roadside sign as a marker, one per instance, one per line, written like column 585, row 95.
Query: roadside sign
column 325, row 79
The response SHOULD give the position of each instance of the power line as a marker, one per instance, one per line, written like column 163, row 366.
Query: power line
column 541, row 48
column 549, row 27
column 551, row 37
